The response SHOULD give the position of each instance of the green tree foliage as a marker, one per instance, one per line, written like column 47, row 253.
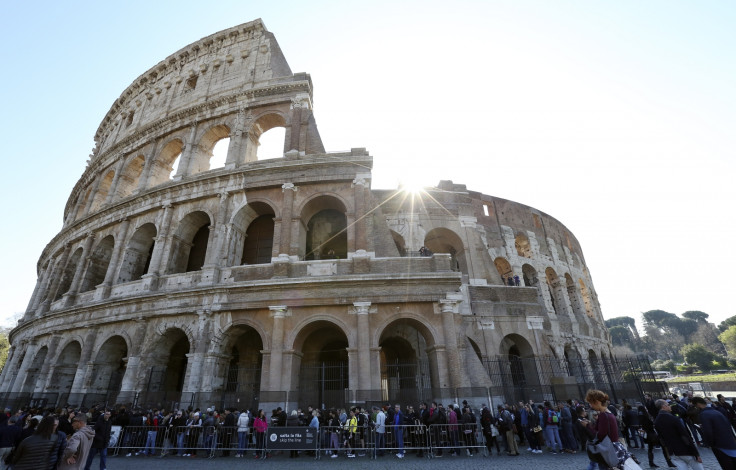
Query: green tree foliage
column 697, row 354
column 728, row 338
column 620, row 336
column 668, row 365
column 696, row 315
column 4, row 347
column 730, row 321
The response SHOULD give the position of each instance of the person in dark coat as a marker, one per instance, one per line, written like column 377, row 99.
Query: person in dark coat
column 717, row 433
column 229, row 425
column 103, row 429
column 9, row 436
column 35, row 451
column 673, row 433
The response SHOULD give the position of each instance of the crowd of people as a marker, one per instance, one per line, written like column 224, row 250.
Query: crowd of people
column 679, row 426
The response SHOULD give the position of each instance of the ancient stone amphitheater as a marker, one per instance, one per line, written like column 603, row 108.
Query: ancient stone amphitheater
column 288, row 280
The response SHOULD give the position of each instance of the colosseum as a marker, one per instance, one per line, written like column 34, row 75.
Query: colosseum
column 289, row 280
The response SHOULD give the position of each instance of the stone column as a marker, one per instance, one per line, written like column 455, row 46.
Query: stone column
column 278, row 313
column 286, row 218
column 7, row 380
column 44, row 376
column 45, row 286
column 58, row 274
column 81, row 266
column 36, row 291
column 93, row 194
column 85, row 370
column 218, row 233
column 114, row 266
column 361, row 237
column 147, row 168
column 31, row 349
column 473, row 258
column 449, row 308
column 114, row 184
column 156, row 266
column 239, row 140
column 187, row 153
column 362, row 309
column 130, row 380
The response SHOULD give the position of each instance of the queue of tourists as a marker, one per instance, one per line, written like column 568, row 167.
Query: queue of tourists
column 73, row 439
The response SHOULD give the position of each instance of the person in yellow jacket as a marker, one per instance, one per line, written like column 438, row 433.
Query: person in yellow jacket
column 351, row 427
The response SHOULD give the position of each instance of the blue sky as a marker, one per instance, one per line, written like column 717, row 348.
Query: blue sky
column 617, row 118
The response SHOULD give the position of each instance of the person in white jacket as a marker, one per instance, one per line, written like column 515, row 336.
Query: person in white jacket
column 243, row 433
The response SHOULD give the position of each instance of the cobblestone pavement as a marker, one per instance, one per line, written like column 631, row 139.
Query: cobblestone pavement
column 525, row 461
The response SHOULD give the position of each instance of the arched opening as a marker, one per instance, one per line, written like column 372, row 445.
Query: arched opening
column 168, row 361
column 586, row 299
column 219, row 153
column 99, row 261
column 442, row 240
column 327, row 237
column 67, row 276
column 504, row 269
column 522, row 376
column 575, row 366
column 258, row 245
column 556, row 294
column 250, row 245
column 32, row 375
column 166, row 164
column 271, row 144
column 323, row 231
column 189, row 244
column 597, row 368
column 216, row 138
column 242, row 371
column 109, row 368
column 523, row 247
column 324, row 371
column 137, row 258
column 267, row 138
column 399, row 242
column 130, row 177
column 405, row 368
column 102, row 191
column 65, row 370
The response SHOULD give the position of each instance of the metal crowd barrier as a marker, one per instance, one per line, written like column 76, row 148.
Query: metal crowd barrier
column 182, row 440
column 457, row 438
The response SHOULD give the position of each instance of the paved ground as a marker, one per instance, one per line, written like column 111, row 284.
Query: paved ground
column 526, row 461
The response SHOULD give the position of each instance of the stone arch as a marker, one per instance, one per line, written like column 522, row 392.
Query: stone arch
column 504, row 268
column 575, row 366
column 322, row 363
column 137, row 257
column 130, row 176
column 263, row 123
column 572, row 294
column 587, row 301
column 168, row 361
column 109, row 368
column 444, row 240
column 597, row 366
column 67, row 275
column 523, row 247
column 238, row 372
column 408, row 370
column 204, row 150
column 102, row 191
column 163, row 164
column 522, row 370
column 190, row 243
column 33, row 372
column 65, row 368
column 251, row 240
column 99, row 262
column 323, row 231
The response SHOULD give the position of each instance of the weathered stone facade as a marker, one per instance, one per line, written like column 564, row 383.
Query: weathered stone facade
column 197, row 281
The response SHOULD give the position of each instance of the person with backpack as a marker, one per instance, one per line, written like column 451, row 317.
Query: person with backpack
column 552, row 428
column 506, row 425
